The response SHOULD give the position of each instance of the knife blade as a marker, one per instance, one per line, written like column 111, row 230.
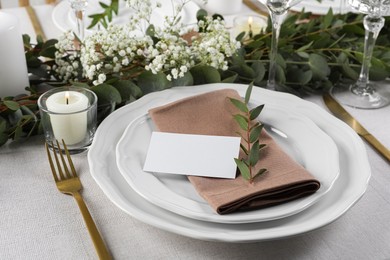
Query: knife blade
column 342, row 114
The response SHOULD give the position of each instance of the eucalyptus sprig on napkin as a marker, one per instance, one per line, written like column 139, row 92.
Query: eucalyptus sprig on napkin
column 252, row 130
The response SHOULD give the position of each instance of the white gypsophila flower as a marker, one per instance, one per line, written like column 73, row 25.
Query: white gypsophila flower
column 214, row 45
column 171, row 55
column 108, row 52
column 66, row 58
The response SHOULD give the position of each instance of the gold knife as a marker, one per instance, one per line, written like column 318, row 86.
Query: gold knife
column 342, row 114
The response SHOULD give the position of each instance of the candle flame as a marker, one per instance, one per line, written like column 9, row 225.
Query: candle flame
column 250, row 20
column 67, row 96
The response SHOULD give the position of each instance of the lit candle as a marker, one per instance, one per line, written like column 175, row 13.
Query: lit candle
column 68, row 116
column 13, row 67
column 251, row 25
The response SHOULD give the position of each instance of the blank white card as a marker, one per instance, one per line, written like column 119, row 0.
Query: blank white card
column 199, row 155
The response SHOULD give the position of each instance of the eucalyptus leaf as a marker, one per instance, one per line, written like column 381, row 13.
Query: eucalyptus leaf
column 260, row 172
column 254, row 154
column 255, row 133
column 243, row 148
column 259, row 69
column 203, row 74
column 243, row 70
column 244, row 169
column 228, row 76
column 186, row 80
column 254, row 113
column 11, row 105
column 248, row 93
column 319, row 66
column 149, row 82
column 107, row 94
column 242, row 121
column 127, row 89
column 240, row 105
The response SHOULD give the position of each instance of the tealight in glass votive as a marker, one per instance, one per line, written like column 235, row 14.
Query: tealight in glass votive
column 69, row 114
column 250, row 24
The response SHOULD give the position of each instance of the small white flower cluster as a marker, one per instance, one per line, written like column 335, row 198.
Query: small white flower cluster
column 171, row 54
column 142, row 12
column 214, row 44
column 110, row 51
column 121, row 51
column 67, row 58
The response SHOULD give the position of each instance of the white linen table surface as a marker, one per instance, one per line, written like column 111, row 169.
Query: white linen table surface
column 38, row 222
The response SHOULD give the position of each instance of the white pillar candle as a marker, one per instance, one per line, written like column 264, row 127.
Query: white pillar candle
column 13, row 67
column 67, row 116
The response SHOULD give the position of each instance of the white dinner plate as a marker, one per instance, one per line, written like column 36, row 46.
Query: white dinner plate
column 64, row 18
column 297, row 135
column 349, row 187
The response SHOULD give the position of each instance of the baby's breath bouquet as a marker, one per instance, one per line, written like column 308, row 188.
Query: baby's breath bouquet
column 124, row 61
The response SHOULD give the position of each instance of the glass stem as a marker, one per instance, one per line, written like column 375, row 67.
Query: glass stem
column 80, row 23
column 373, row 26
column 277, row 20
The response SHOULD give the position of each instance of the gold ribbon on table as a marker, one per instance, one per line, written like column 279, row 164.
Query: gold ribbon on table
column 35, row 22
column 24, row 3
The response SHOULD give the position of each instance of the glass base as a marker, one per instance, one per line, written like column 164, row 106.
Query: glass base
column 71, row 150
column 373, row 97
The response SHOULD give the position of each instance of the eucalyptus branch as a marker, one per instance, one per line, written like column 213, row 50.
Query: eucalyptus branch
column 252, row 128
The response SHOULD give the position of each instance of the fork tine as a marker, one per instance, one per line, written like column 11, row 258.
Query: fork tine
column 53, row 169
column 69, row 159
column 65, row 167
column 62, row 177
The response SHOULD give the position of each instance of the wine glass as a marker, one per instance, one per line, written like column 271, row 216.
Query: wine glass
column 278, row 11
column 79, row 7
column 363, row 93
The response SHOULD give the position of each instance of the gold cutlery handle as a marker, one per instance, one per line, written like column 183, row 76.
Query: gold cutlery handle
column 378, row 146
column 93, row 231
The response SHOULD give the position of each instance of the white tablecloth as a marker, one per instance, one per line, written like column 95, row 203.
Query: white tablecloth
column 37, row 222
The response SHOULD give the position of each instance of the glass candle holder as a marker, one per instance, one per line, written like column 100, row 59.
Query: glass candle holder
column 69, row 114
column 250, row 24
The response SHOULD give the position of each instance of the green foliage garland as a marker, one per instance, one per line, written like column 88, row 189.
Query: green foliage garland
column 315, row 52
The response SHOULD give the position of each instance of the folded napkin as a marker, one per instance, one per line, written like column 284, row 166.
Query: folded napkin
column 212, row 114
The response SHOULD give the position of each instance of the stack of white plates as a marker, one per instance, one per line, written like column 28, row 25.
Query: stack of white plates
column 325, row 146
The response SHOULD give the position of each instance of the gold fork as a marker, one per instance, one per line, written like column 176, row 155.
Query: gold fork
column 69, row 183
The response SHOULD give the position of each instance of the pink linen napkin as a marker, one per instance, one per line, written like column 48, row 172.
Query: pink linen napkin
column 212, row 114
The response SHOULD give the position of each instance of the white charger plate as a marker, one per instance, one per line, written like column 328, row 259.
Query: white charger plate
column 297, row 135
column 64, row 17
column 348, row 189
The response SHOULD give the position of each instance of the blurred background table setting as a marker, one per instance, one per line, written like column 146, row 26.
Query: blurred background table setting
column 103, row 77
